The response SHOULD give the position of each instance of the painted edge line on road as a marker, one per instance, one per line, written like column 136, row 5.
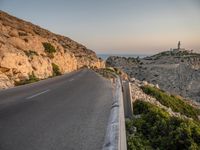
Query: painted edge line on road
column 38, row 94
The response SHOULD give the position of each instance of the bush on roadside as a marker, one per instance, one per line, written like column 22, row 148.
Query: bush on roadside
column 32, row 78
column 156, row 129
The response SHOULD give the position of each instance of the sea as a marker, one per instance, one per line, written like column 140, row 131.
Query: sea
column 105, row 56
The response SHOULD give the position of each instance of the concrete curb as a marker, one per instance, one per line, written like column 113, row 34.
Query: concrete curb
column 116, row 133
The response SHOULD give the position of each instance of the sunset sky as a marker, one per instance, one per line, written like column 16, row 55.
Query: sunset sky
column 116, row 26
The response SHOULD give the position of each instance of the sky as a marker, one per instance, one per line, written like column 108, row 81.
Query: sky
column 116, row 26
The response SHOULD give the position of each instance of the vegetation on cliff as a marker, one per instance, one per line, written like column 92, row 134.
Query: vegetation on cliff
column 30, row 53
column 174, row 102
column 56, row 70
column 49, row 48
column 111, row 72
column 153, row 128
column 179, row 54
column 32, row 78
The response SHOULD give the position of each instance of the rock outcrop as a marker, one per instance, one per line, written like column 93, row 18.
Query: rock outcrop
column 175, row 72
column 27, row 49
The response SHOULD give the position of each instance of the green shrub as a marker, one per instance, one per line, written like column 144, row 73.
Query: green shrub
column 56, row 70
column 174, row 102
column 106, row 72
column 156, row 129
column 49, row 48
column 32, row 79
column 113, row 70
column 30, row 53
column 137, row 142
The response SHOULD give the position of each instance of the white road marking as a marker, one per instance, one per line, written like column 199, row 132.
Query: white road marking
column 38, row 94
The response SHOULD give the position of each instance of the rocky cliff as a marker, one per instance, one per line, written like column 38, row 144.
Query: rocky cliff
column 28, row 50
column 175, row 72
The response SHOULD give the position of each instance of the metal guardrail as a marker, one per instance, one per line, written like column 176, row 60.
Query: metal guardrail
column 116, row 133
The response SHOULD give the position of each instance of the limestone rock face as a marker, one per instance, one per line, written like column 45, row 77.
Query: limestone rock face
column 16, row 61
column 177, row 73
column 22, row 52
column 42, row 67
column 5, row 81
column 68, row 65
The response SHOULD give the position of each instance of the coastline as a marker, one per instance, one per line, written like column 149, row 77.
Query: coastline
column 105, row 56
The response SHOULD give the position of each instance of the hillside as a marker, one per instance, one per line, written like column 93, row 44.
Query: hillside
column 175, row 72
column 29, row 52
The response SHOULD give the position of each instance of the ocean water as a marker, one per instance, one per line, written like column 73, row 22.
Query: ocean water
column 105, row 56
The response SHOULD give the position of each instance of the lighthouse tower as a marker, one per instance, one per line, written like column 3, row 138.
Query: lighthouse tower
column 179, row 45
column 178, row 49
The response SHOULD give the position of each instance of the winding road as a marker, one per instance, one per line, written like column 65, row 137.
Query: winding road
column 68, row 112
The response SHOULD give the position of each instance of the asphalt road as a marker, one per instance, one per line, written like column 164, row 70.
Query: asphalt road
column 69, row 112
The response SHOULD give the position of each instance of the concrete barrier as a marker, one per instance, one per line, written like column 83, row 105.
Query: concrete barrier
column 128, row 105
column 116, row 133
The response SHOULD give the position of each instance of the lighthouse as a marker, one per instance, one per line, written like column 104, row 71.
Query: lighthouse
column 179, row 45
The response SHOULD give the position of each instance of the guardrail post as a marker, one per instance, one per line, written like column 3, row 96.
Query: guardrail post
column 128, row 106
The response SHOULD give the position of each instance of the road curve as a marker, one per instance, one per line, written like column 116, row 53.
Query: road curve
column 69, row 112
